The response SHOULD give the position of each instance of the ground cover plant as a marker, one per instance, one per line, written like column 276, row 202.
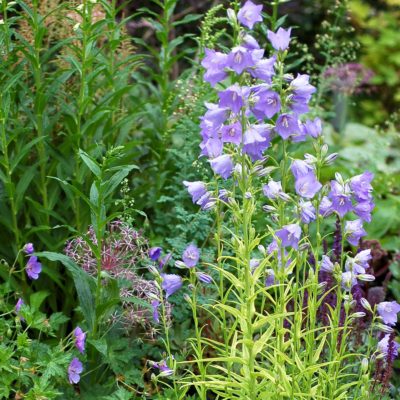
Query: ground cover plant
column 192, row 205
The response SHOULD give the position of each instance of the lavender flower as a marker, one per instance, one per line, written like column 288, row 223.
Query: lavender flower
column 155, row 253
column 364, row 210
column 232, row 133
column 80, row 337
column 270, row 278
column 307, row 185
column 326, row 264
column 18, row 305
column 214, row 62
column 348, row 280
column 196, row 189
column 307, row 211
column 240, row 58
column 287, row 125
column 267, row 103
column 163, row 367
column 340, row 196
column 383, row 346
column 156, row 316
column 191, row 256
column 354, row 231
column 164, row 261
column 361, row 186
column 171, row 283
column 280, row 40
column 325, row 207
column 273, row 189
column 74, row 370
column 388, row 310
column 222, row 165
column 233, row 98
column 250, row 14
column 33, row 268
column 289, row 235
column 313, row 128
column 263, row 69
column 29, row 249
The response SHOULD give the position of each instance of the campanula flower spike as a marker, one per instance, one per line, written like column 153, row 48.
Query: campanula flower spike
column 280, row 270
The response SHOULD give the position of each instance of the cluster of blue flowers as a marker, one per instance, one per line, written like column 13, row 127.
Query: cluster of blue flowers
column 245, row 120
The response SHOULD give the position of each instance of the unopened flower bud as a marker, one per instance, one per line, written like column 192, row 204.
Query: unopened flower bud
column 153, row 270
column 191, row 287
column 268, row 208
column 366, row 277
column 310, row 159
column 180, row 264
column 76, row 26
column 324, row 149
column 231, row 15
column 360, row 314
column 331, row 158
column 364, row 364
column 288, row 77
column 80, row 7
column 248, row 195
column 365, row 303
column 187, row 298
column 339, row 178
column 261, row 249
column 384, row 328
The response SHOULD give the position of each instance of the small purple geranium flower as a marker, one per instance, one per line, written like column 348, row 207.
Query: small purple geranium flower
column 388, row 310
column 80, row 338
column 74, row 371
column 18, row 305
column 171, row 283
column 33, row 268
column 191, row 256
column 250, row 14
column 163, row 367
column 280, row 40
column 29, row 249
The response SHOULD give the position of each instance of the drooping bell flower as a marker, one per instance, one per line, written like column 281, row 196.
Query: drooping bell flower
column 155, row 252
column 354, row 231
column 196, row 189
column 307, row 211
column 388, row 311
column 222, row 165
column 171, row 283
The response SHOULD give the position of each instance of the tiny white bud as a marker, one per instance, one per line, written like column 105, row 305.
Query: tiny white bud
column 180, row 264
column 2, row 21
column 358, row 315
column 365, row 304
column 76, row 26
column 261, row 249
column 248, row 195
column 324, row 149
column 364, row 364
column 80, row 7
column 331, row 158
column 231, row 14
column 384, row 328
column 366, row 277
